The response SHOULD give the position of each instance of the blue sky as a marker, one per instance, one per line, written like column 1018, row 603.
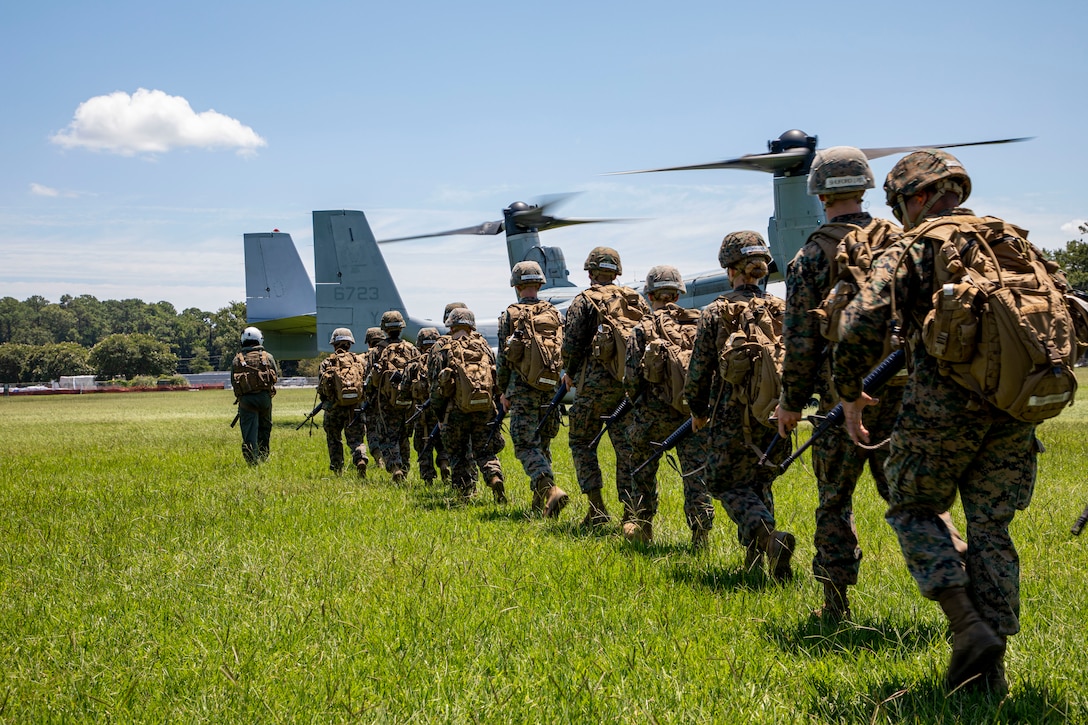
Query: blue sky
column 431, row 116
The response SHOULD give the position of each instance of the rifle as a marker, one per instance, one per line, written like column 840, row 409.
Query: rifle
column 556, row 402
column 420, row 409
column 621, row 410
column 873, row 382
column 1079, row 525
column 433, row 439
column 235, row 421
column 496, row 424
column 667, row 445
column 361, row 410
column 317, row 409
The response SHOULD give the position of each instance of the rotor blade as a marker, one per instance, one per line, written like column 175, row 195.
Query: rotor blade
column 552, row 223
column 878, row 153
column 755, row 162
column 480, row 229
column 553, row 200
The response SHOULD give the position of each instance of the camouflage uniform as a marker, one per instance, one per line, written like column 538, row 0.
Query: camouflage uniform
column 946, row 441
column 651, row 421
column 374, row 337
column 342, row 420
column 428, row 452
column 836, row 461
column 391, row 416
column 732, row 470
column 598, row 394
column 533, row 450
column 255, row 408
column 466, row 436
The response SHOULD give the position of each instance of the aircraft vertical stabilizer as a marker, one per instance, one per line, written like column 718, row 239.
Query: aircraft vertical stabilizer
column 279, row 295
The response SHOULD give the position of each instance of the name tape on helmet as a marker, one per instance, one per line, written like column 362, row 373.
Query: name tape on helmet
column 754, row 249
column 845, row 181
column 532, row 278
column 607, row 265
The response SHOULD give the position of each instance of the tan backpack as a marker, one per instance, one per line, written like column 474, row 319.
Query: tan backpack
column 850, row 251
column 472, row 367
column 618, row 311
column 253, row 372
column 750, row 355
column 389, row 369
column 534, row 348
column 344, row 377
column 671, row 338
column 999, row 325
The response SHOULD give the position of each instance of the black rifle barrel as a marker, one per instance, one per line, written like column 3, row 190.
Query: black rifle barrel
column 621, row 410
column 873, row 382
column 1079, row 525
column 667, row 445
column 308, row 418
column 555, row 402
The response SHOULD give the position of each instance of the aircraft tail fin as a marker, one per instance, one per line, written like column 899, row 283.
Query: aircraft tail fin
column 279, row 295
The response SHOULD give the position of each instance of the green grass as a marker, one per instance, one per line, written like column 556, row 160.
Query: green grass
column 146, row 574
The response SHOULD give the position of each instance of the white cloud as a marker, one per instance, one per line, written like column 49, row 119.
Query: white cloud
column 150, row 122
column 41, row 190
column 1074, row 227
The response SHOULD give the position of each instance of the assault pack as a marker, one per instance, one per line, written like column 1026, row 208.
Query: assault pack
column 618, row 311
column 850, row 251
column 750, row 356
column 470, row 375
column 387, row 375
column 535, row 344
column 999, row 325
column 253, row 372
column 343, row 378
column 671, row 334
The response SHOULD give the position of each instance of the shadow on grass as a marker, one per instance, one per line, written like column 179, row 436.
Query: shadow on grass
column 720, row 579
column 928, row 701
column 814, row 637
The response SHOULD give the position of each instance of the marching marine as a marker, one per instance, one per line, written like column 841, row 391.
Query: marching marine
column 429, row 451
column 253, row 378
column 394, row 404
column 341, row 387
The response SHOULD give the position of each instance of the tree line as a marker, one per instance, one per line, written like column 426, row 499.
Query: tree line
column 42, row 340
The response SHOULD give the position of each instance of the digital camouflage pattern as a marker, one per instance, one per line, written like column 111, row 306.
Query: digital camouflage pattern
column 806, row 371
column 598, row 394
column 732, row 472
column 945, row 442
column 527, row 404
column 654, row 419
column 342, row 421
column 839, row 170
column 389, row 418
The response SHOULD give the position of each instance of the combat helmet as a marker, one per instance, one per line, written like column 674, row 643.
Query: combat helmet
column 926, row 169
column 527, row 272
column 427, row 337
column 374, row 335
column 341, row 334
column 664, row 277
column 252, row 335
column 449, row 308
column 739, row 246
column 604, row 259
column 838, row 170
column 461, row 316
column 392, row 320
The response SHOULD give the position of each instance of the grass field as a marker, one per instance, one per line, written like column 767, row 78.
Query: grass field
column 148, row 575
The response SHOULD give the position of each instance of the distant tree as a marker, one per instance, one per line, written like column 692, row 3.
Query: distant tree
column 308, row 368
column 90, row 316
column 13, row 316
column 13, row 362
column 129, row 355
column 1074, row 260
column 61, row 323
column 225, row 335
column 50, row 362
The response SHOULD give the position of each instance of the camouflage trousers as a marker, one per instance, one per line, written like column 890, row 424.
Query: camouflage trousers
column 393, row 435
column 734, row 475
column 435, row 455
column 989, row 460
column 652, row 421
column 838, row 464
column 470, row 445
column 336, row 425
column 597, row 398
column 255, row 422
column 533, row 450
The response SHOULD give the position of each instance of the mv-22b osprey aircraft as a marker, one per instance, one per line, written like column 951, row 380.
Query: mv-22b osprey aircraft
column 354, row 286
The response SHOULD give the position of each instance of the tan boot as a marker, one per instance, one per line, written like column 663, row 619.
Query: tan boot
column 700, row 539
column 360, row 470
column 399, row 476
column 778, row 546
column 557, row 498
column 975, row 647
column 836, row 604
column 597, row 514
column 537, row 506
column 497, row 488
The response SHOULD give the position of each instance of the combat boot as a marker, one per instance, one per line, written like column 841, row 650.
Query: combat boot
column 753, row 557
column 778, row 546
column 495, row 483
column 836, row 604
column 597, row 514
column 537, row 507
column 700, row 539
column 557, row 498
column 975, row 647
column 399, row 476
column 360, row 470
